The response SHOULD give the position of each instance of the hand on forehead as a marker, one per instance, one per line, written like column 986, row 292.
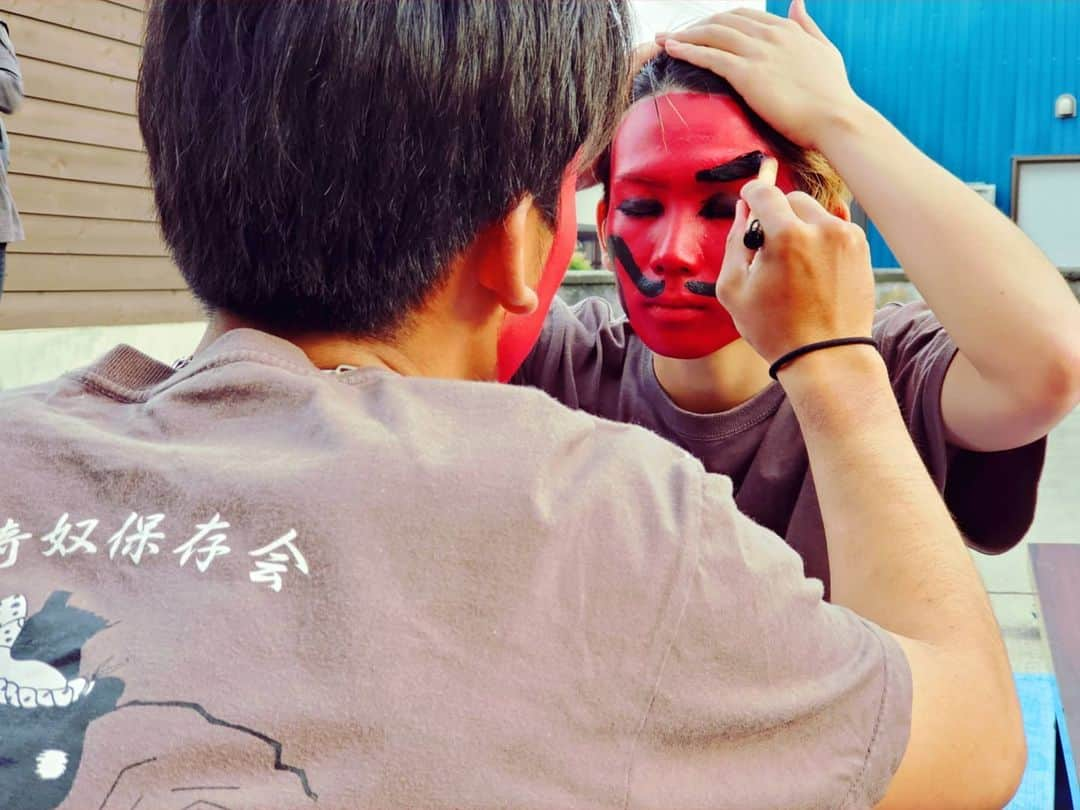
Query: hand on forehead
column 678, row 137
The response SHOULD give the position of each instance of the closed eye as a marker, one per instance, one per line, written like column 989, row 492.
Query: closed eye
column 640, row 207
column 719, row 206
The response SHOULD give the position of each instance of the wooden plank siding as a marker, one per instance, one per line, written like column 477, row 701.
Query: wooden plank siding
column 65, row 160
column 66, row 46
column 66, row 122
column 82, row 88
column 37, row 310
column 109, row 20
column 74, row 198
column 40, row 272
column 93, row 253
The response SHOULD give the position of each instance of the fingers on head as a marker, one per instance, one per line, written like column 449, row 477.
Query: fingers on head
column 763, row 25
column 721, row 36
column 719, row 62
column 744, row 23
column 763, row 17
column 800, row 16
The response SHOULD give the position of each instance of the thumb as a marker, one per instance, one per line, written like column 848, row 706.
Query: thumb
column 799, row 14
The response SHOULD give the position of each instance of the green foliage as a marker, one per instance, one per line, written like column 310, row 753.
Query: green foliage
column 579, row 262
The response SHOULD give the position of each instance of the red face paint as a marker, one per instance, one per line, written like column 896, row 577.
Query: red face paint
column 519, row 333
column 676, row 173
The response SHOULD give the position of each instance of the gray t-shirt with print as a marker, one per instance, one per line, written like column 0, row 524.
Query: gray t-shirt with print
column 252, row 584
column 590, row 360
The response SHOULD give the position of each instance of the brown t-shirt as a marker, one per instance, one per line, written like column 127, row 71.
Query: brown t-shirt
column 253, row 584
column 591, row 361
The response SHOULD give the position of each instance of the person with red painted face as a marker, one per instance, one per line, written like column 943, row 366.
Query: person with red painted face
column 328, row 563
column 979, row 389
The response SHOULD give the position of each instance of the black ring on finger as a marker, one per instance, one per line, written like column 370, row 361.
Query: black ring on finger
column 754, row 238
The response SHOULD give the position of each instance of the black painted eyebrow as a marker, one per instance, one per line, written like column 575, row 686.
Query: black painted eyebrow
column 739, row 168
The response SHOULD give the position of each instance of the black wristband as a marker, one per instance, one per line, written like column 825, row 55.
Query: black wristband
column 795, row 354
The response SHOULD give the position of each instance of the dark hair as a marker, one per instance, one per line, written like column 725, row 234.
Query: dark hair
column 317, row 164
column 663, row 74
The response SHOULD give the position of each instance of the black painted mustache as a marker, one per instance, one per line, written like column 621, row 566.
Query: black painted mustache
column 648, row 287
column 651, row 288
column 701, row 288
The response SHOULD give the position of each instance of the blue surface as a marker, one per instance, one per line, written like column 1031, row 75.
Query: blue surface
column 972, row 83
column 1038, row 701
column 1067, row 749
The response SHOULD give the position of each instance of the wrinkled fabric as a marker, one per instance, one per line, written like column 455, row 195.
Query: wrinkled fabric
column 592, row 361
column 249, row 583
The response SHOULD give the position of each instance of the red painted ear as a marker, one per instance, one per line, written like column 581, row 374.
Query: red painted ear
column 519, row 333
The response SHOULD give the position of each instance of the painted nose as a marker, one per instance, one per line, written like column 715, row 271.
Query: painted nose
column 678, row 251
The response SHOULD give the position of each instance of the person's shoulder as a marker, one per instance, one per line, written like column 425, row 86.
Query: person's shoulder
column 16, row 402
column 910, row 337
column 591, row 315
column 596, row 312
column 27, row 400
column 616, row 501
column 896, row 319
column 529, row 416
column 582, row 351
column 33, row 413
column 540, row 443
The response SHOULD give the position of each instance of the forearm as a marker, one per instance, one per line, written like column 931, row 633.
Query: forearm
column 895, row 556
column 1004, row 304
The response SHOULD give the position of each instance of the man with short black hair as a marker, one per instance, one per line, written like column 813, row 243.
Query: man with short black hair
column 326, row 564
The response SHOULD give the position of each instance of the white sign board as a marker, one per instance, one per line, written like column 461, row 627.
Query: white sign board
column 1048, row 207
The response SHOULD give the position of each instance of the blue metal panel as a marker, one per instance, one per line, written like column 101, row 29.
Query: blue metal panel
column 1067, row 736
column 1037, row 694
column 971, row 82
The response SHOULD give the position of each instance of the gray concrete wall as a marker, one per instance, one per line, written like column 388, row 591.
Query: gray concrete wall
column 28, row 356
column 581, row 284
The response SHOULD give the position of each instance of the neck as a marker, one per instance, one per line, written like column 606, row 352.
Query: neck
column 433, row 349
column 715, row 383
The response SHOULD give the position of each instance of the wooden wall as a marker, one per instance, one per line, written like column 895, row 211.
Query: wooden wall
column 93, row 253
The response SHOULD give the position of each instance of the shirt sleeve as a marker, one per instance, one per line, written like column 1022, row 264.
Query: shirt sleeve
column 581, row 351
column 991, row 495
column 768, row 696
column 11, row 84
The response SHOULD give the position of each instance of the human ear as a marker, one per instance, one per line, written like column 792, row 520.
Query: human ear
column 503, row 255
column 601, row 223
